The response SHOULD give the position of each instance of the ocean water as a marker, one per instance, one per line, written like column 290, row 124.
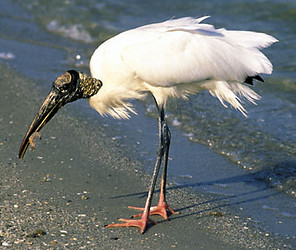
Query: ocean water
column 63, row 35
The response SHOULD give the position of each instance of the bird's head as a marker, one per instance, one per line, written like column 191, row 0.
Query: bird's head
column 66, row 88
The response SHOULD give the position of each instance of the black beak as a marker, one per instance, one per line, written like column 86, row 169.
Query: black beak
column 48, row 109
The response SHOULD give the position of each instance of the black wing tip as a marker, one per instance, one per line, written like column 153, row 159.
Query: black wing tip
column 249, row 79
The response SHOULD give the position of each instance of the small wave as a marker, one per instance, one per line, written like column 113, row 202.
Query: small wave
column 7, row 55
column 75, row 31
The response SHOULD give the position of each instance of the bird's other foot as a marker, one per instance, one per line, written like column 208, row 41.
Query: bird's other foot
column 140, row 223
column 160, row 209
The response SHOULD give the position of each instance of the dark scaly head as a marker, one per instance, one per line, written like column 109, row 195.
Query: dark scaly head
column 66, row 88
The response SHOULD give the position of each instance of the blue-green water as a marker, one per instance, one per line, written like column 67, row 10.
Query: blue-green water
column 58, row 35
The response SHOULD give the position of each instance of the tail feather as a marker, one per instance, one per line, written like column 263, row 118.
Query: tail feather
column 249, row 79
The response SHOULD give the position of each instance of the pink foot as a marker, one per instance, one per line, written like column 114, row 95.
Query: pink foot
column 160, row 209
column 141, row 223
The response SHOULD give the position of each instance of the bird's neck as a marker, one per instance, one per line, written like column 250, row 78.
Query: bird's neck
column 88, row 86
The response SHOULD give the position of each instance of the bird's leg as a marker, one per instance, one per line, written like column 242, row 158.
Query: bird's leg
column 142, row 222
column 162, row 206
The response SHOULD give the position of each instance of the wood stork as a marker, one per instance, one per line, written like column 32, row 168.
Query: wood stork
column 171, row 59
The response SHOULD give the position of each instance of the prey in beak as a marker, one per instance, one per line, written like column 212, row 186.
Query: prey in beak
column 66, row 88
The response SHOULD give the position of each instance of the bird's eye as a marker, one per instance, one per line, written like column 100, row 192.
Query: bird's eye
column 65, row 86
column 62, row 87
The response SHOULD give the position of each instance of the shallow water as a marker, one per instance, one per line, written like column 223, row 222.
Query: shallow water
column 42, row 39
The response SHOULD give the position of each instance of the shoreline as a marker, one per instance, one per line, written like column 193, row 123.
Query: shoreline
column 79, row 180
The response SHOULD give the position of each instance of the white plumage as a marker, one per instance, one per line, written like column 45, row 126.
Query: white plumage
column 174, row 59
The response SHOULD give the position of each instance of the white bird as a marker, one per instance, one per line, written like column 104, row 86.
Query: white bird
column 171, row 59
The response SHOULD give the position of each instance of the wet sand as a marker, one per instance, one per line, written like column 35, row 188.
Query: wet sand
column 80, row 179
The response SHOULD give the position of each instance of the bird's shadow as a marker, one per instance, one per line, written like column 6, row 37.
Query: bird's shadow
column 262, row 190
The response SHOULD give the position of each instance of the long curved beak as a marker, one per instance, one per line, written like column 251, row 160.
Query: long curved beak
column 48, row 109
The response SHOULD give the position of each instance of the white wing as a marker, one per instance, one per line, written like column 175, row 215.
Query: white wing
column 184, row 51
column 159, row 57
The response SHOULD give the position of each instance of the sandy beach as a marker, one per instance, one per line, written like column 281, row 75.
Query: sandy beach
column 80, row 179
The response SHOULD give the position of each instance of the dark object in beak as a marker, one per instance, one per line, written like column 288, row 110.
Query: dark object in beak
column 66, row 88
column 48, row 109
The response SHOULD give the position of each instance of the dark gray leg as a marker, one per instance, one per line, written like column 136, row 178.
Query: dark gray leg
column 163, row 153
column 142, row 223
